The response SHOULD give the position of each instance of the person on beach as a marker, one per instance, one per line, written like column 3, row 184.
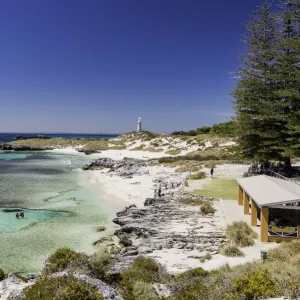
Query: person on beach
column 159, row 191
column 211, row 172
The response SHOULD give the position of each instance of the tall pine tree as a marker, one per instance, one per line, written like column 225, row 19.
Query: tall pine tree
column 260, row 129
column 288, row 76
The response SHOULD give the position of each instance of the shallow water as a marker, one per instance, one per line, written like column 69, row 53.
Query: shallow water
column 65, row 208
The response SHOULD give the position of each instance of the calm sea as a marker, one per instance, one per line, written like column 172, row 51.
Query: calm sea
column 9, row 137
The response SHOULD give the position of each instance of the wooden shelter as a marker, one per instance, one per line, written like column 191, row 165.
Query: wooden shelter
column 273, row 203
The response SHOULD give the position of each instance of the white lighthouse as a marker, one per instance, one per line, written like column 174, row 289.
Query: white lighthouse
column 139, row 125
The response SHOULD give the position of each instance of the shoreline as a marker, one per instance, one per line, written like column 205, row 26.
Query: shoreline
column 126, row 193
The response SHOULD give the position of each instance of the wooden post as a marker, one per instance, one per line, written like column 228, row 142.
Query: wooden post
column 240, row 198
column 264, row 224
column 253, row 213
column 246, row 204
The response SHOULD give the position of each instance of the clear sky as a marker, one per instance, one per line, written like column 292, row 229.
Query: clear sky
column 98, row 65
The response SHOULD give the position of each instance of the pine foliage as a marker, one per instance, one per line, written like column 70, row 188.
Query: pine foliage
column 267, row 95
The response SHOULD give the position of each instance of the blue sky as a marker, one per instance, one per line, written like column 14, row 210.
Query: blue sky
column 97, row 65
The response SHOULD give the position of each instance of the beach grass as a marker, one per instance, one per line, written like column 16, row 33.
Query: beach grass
column 219, row 188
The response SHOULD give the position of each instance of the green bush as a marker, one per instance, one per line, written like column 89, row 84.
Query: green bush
column 207, row 208
column 191, row 289
column 231, row 250
column 144, row 291
column 285, row 251
column 100, row 265
column 2, row 275
column 241, row 234
column 197, row 176
column 65, row 258
column 194, row 273
column 143, row 269
column 47, row 288
column 255, row 285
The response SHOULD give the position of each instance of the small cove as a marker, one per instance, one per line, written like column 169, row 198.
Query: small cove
column 62, row 205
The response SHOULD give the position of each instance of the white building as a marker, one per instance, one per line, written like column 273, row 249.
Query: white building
column 139, row 125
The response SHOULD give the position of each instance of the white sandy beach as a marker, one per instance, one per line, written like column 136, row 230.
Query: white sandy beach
column 135, row 190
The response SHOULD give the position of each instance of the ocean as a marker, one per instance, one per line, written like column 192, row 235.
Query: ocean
column 9, row 137
column 63, row 205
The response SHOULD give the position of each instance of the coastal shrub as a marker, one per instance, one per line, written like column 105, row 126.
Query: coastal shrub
column 255, row 285
column 210, row 164
column 190, row 289
column 63, row 288
column 197, row 176
column 241, row 234
column 143, row 269
column 192, row 201
column 193, row 273
column 186, row 183
column 2, row 275
column 100, row 265
column 66, row 258
column 285, row 251
column 207, row 208
column 231, row 250
column 144, row 291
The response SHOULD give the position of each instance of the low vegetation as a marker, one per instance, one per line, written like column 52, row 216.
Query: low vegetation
column 231, row 250
column 173, row 152
column 197, row 176
column 241, row 234
column 192, row 201
column 187, row 168
column 207, row 208
column 100, row 265
column 143, row 269
column 66, row 258
column 277, row 277
column 144, row 291
column 64, row 288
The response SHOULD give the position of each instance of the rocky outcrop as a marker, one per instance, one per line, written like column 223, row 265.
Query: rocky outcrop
column 126, row 167
column 165, row 224
column 17, row 147
column 12, row 288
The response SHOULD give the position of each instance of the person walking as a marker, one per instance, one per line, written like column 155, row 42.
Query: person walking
column 211, row 172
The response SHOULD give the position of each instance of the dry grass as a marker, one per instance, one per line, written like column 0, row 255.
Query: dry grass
column 231, row 250
column 241, row 234
column 173, row 152
column 197, row 176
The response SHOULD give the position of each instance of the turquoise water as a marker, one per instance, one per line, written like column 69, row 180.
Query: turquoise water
column 63, row 206
column 10, row 223
column 9, row 156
